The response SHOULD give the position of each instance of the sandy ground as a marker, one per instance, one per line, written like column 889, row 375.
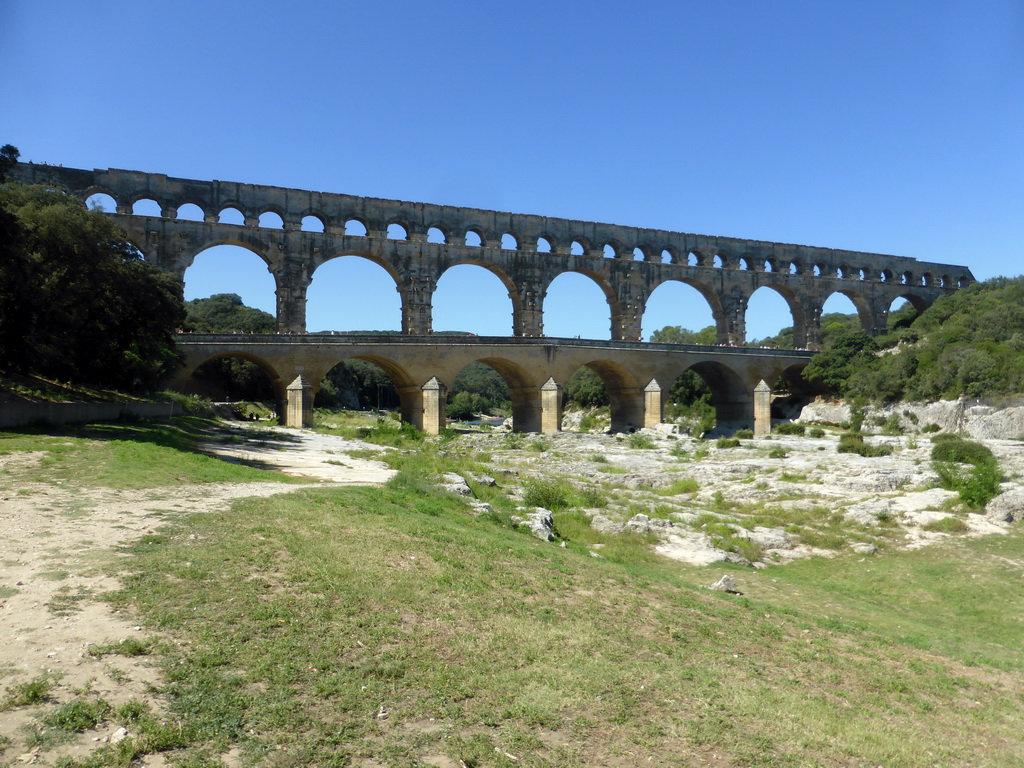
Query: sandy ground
column 54, row 542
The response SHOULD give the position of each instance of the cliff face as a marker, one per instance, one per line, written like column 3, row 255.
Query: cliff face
column 977, row 418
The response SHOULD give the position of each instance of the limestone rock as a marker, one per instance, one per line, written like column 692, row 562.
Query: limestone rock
column 726, row 584
column 540, row 522
column 864, row 548
column 770, row 538
column 869, row 512
column 639, row 524
column 456, row 484
column 1007, row 507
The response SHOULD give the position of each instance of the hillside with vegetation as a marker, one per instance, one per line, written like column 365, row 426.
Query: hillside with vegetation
column 969, row 343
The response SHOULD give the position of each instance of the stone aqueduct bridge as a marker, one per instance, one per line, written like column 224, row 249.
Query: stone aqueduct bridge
column 526, row 253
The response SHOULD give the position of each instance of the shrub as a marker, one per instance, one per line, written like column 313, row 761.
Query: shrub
column 892, row 425
column 931, row 428
column 778, row 452
column 685, row 485
column 744, row 434
column 956, row 449
column 727, row 442
column 817, row 432
column 946, row 525
column 789, row 428
column 26, row 694
column 549, row 494
column 640, row 441
column 588, row 422
column 854, row 443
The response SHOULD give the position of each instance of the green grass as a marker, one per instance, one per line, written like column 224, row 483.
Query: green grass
column 298, row 631
column 130, row 455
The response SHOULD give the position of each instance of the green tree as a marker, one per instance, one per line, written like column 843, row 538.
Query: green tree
column 586, row 389
column 8, row 159
column 834, row 365
column 78, row 301
column 225, row 313
column 675, row 334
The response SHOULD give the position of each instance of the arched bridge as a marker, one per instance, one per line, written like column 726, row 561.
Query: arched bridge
column 417, row 242
column 536, row 370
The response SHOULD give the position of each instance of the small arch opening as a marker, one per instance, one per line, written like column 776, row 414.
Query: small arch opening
column 190, row 212
column 271, row 220
column 509, row 242
column 231, row 216
column 146, row 207
column 543, row 245
column 397, row 232
column 719, row 262
column 667, row 257
column 436, row 235
column 610, row 251
column 694, row 259
column 355, row 228
column 819, row 270
column 101, row 202
column 473, row 239
column 862, row 275
column 886, row 276
column 795, row 268
column 639, row 255
column 312, row 224
column 770, row 265
column 907, row 278
column 577, row 249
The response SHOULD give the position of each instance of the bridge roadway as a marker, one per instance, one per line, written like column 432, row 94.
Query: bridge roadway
column 536, row 370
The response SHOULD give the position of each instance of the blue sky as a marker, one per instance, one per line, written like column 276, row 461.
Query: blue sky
column 892, row 127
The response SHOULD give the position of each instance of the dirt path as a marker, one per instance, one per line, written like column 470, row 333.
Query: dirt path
column 54, row 543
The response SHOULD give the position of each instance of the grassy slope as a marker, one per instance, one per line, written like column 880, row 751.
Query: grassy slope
column 390, row 627
column 340, row 624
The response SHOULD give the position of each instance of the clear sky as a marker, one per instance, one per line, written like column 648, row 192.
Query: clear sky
column 892, row 127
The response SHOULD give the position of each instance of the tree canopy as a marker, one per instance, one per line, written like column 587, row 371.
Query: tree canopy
column 77, row 300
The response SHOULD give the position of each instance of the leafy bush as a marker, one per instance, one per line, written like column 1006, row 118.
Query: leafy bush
column 744, row 434
column 955, row 449
column 549, row 494
column 817, row 432
column 727, row 442
column 778, row 452
column 789, row 428
column 854, row 443
column 931, row 428
column 976, row 486
column 639, row 441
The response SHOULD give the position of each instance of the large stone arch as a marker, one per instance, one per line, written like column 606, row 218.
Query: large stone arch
column 797, row 312
column 615, row 308
column 514, row 295
column 278, row 380
column 865, row 312
column 625, row 394
column 705, row 289
column 303, row 281
column 730, row 395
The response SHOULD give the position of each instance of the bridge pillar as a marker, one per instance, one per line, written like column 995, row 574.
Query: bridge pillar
column 299, row 408
column 526, row 409
column 410, row 401
column 627, row 408
column 292, row 281
column 528, row 319
column 435, row 402
column 762, row 409
column 551, row 407
column 653, row 407
column 417, row 295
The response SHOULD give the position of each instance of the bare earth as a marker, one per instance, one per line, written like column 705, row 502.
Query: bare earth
column 54, row 541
